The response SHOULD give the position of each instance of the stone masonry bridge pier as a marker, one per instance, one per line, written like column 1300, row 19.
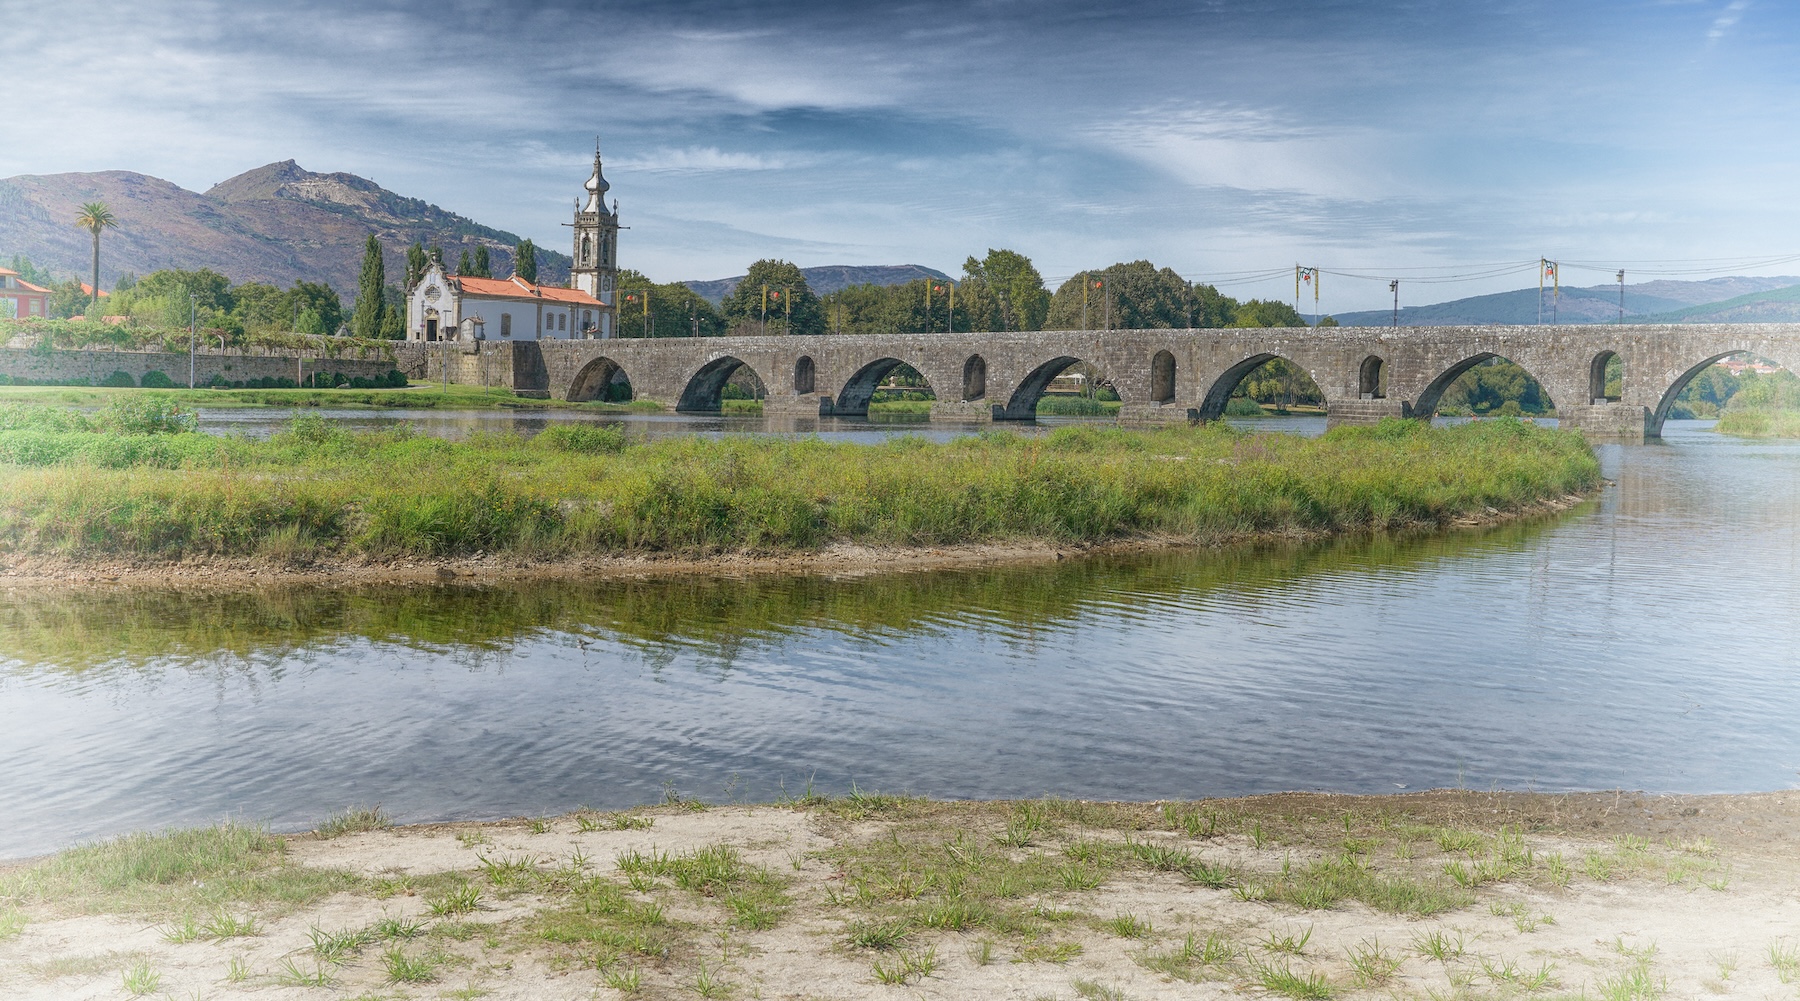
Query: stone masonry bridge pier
column 1161, row 376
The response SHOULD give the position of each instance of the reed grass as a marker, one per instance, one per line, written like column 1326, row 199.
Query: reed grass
column 1760, row 423
column 318, row 492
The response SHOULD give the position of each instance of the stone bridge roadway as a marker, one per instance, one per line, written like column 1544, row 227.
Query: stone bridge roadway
column 1365, row 373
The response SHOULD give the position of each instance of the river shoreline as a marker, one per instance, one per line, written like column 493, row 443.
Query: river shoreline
column 1305, row 895
column 22, row 570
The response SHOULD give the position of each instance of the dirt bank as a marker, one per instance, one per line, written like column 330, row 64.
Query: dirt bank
column 1431, row 895
column 841, row 560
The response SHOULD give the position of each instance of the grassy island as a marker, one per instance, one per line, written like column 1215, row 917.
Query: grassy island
column 136, row 482
column 1760, row 423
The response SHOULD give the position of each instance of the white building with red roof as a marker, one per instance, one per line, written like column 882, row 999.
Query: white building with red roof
column 19, row 299
column 447, row 307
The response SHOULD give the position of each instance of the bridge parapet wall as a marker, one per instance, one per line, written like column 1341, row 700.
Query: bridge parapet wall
column 1160, row 375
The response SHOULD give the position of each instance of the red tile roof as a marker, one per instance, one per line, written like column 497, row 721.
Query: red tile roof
column 88, row 290
column 518, row 288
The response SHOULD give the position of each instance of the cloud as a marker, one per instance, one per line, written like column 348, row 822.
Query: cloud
column 1726, row 20
column 707, row 159
column 1248, row 149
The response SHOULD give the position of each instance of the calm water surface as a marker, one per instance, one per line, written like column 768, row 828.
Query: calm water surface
column 1649, row 640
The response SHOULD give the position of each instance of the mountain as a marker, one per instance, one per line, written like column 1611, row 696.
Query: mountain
column 278, row 223
column 829, row 278
column 1646, row 302
column 1781, row 305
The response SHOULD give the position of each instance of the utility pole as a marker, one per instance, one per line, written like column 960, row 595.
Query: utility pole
column 1084, row 299
column 1621, row 295
column 787, row 307
column 1394, row 287
column 1106, row 298
column 193, row 320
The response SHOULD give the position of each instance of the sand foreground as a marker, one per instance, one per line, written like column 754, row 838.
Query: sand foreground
column 1445, row 894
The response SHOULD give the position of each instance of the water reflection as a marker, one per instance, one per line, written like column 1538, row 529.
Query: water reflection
column 1649, row 640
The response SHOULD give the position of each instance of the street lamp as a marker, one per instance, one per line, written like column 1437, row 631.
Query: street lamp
column 193, row 321
column 1394, row 287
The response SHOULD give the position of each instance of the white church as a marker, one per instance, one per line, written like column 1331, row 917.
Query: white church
column 447, row 307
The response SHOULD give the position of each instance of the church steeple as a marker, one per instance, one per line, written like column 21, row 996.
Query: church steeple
column 596, row 185
column 595, row 252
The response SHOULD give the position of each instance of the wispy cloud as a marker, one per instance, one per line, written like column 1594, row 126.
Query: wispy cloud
column 1727, row 19
column 708, row 159
column 1249, row 149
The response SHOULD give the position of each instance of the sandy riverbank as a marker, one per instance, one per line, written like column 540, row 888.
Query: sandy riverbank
column 1430, row 895
column 840, row 560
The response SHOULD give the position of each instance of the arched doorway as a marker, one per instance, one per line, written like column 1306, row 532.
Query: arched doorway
column 1485, row 384
column 804, row 375
column 1258, row 384
column 601, row 381
column 719, row 380
column 1162, row 378
column 885, row 386
column 1371, row 379
column 1606, row 378
column 1064, row 386
column 974, row 385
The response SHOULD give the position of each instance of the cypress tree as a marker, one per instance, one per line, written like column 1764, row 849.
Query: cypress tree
column 465, row 266
column 525, row 261
column 415, row 266
column 482, row 268
column 370, row 309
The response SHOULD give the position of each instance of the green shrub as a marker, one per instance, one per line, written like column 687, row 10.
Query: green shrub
column 118, row 380
column 148, row 415
column 587, row 439
column 156, row 379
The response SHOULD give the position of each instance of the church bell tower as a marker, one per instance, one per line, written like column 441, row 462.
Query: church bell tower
column 596, row 249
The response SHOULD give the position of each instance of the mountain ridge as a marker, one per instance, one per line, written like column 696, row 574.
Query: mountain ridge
column 828, row 278
column 1645, row 302
column 277, row 223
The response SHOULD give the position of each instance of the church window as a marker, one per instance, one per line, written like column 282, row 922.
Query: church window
column 587, row 248
column 562, row 321
column 505, row 324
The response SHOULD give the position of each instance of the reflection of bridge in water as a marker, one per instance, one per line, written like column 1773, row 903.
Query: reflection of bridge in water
column 1161, row 376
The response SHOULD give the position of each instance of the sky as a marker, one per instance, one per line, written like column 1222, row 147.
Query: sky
column 1409, row 138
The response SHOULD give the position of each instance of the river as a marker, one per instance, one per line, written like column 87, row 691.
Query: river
column 1647, row 640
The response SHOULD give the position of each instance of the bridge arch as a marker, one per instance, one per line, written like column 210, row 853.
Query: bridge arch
column 1371, row 379
column 1670, row 395
column 1427, row 404
column 1022, row 404
column 805, row 375
column 974, row 386
column 705, row 390
column 1600, row 376
column 601, row 379
column 860, row 388
column 1218, row 396
column 1162, row 377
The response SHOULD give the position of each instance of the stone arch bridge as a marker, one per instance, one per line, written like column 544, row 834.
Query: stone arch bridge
column 1161, row 376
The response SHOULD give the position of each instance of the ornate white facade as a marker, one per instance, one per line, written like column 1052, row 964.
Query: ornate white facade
column 447, row 307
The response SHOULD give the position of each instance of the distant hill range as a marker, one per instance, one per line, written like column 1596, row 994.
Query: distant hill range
column 1715, row 300
column 277, row 224
column 828, row 278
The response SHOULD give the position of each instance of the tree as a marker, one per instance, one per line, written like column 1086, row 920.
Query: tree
column 1267, row 313
column 465, row 266
column 370, row 309
column 1328, row 321
column 674, row 309
column 1210, row 307
column 483, row 269
column 1017, row 287
column 318, row 300
column 525, row 261
column 416, row 263
column 94, row 217
column 1141, row 296
column 791, row 307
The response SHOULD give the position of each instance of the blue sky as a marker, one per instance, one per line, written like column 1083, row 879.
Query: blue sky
column 1215, row 138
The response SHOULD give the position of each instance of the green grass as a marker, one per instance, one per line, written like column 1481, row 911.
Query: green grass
column 424, row 395
column 1760, row 423
column 1076, row 406
column 175, row 873
column 317, row 491
column 354, row 821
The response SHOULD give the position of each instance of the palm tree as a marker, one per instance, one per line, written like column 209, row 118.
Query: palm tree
column 94, row 217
